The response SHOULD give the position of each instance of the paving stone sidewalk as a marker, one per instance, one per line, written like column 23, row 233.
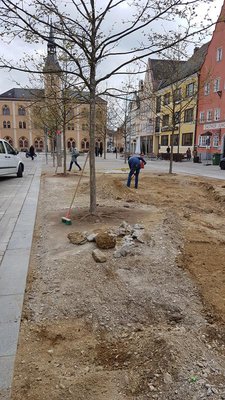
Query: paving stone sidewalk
column 18, row 204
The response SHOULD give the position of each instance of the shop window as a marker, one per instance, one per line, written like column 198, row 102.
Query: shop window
column 187, row 139
column 164, row 140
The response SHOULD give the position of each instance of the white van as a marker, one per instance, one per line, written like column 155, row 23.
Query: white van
column 10, row 162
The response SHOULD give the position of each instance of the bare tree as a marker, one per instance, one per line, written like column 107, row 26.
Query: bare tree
column 93, row 38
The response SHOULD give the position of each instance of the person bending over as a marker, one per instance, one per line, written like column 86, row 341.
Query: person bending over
column 135, row 164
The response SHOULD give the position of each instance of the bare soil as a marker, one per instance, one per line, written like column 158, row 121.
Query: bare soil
column 144, row 326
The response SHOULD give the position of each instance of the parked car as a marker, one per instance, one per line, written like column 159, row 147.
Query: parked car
column 222, row 163
column 10, row 162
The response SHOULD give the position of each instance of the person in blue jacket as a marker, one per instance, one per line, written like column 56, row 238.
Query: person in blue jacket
column 135, row 166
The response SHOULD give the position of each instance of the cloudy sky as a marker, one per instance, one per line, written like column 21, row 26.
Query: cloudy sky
column 18, row 48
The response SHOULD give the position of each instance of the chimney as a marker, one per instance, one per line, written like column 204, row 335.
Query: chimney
column 196, row 49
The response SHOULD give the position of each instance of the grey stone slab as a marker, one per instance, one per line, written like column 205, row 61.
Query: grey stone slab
column 6, row 375
column 21, row 239
column 13, row 271
column 6, row 229
column 3, row 247
column 25, row 223
column 10, row 308
column 9, row 333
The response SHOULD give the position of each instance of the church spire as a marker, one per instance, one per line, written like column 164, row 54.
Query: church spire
column 51, row 41
column 51, row 62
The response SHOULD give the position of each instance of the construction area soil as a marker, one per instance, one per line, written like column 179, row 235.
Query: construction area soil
column 148, row 323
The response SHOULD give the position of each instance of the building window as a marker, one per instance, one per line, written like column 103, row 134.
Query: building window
column 215, row 141
column 84, row 127
column 8, row 124
column 157, row 124
column 216, row 86
column 84, row 112
column 158, row 104
column 177, row 95
column 175, row 140
column 4, row 124
column 187, row 139
column 209, row 115
column 202, row 116
column 70, row 127
column 5, row 110
column 177, row 117
column 190, row 89
column 219, row 54
column 202, row 141
column 22, row 125
column 166, row 99
column 217, row 114
column 207, row 89
column 189, row 115
column 71, row 142
column 85, row 144
column 165, row 121
column 21, row 111
column 164, row 140
column 9, row 139
column 70, row 114
column 23, row 143
column 38, row 144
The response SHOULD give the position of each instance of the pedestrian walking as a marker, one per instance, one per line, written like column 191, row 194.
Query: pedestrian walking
column 168, row 150
column 31, row 152
column 100, row 149
column 74, row 154
column 135, row 164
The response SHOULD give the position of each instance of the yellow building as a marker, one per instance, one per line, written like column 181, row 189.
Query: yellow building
column 176, row 106
column 24, row 113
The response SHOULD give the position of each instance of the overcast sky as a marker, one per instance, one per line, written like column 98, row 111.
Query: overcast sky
column 16, row 50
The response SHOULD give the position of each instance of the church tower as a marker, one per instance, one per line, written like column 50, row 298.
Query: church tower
column 53, row 96
column 52, row 70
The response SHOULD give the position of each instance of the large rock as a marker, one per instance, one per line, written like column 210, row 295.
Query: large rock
column 77, row 238
column 99, row 256
column 104, row 240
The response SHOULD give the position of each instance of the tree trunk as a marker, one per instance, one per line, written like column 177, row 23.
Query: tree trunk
column 64, row 149
column 171, row 152
column 92, row 151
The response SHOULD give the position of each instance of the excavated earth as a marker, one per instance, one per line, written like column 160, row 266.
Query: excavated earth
column 148, row 324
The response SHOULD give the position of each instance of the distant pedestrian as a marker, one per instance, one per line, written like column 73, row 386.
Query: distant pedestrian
column 31, row 152
column 168, row 150
column 135, row 164
column 100, row 150
column 188, row 153
column 74, row 154
column 96, row 151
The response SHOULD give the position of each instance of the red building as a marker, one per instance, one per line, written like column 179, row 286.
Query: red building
column 210, row 126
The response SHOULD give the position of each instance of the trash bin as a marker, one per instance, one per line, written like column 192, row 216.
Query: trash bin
column 216, row 159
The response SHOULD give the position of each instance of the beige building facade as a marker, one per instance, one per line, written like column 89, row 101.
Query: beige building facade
column 24, row 113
